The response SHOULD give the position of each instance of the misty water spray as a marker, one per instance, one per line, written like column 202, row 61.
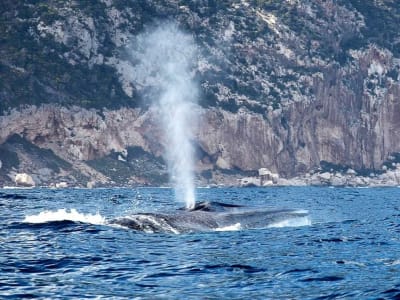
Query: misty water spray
column 164, row 58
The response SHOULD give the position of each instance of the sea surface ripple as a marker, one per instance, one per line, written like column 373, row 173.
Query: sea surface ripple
column 351, row 250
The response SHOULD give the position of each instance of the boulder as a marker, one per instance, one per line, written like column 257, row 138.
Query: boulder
column 222, row 164
column 91, row 184
column 120, row 158
column 338, row 180
column 61, row 185
column 351, row 172
column 264, row 172
column 249, row 182
column 267, row 183
column 325, row 177
column 24, row 180
column 314, row 180
column 358, row 181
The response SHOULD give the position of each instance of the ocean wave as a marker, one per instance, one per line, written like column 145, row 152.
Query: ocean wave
column 64, row 215
column 292, row 222
column 233, row 227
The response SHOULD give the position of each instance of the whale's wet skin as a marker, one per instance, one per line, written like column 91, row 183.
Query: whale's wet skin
column 206, row 216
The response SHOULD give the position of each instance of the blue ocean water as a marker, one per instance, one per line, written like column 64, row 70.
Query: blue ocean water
column 350, row 251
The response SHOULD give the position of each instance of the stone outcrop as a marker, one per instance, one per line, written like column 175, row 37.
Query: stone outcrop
column 76, row 133
column 242, row 141
column 23, row 179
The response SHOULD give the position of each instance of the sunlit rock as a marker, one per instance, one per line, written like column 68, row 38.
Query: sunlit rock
column 61, row 185
column 338, row 180
column 24, row 179
column 249, row 182
column 91, row 184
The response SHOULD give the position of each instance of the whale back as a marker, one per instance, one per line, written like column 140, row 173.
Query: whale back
column 206, row 216
column 214, row 206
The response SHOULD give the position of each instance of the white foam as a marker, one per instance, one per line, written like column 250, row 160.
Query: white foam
column 293, row 222
column 233, row 227
column 393, row 262
column 64, row 215
column 8, row 187
column 355, row 263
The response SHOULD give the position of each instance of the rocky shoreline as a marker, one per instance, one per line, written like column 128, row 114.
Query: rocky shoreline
column 389, row 178
column 74, row 146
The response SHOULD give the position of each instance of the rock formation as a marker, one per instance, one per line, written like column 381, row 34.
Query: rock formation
column 23, row 179
column 297, row 87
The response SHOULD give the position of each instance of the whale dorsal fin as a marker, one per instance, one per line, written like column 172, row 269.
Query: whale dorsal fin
column 213, row 206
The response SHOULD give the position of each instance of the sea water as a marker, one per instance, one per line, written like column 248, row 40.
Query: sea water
column 57, row 244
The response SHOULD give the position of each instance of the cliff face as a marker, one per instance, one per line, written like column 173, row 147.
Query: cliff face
column 283, row 85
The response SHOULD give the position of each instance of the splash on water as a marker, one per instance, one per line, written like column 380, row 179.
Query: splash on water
column 293, row 222
column 164, row 59
column 233, row 227
column 64, row 215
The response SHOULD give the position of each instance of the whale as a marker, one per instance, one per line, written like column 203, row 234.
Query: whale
column 212, row 216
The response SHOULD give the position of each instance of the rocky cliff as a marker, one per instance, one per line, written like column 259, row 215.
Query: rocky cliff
column 291, row 86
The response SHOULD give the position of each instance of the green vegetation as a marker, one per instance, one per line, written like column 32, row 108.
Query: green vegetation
column 34, row 70
column 9, row 159
column 38, row 158
column 145, row 167
column 394, row 159
column 231, row 105
column 332, row 167
column 382, row 19
column 237, row 171
column 45, row 157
